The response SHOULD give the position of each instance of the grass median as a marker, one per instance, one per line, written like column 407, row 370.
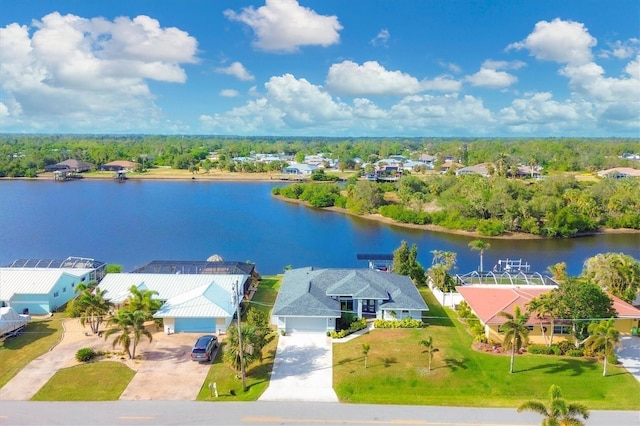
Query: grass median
column 95, row 381
column 397, row 371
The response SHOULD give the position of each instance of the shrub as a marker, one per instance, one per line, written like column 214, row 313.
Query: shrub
column 490, row 227
column 356, row 325
column 405, row 323
column 85, row 354
column 566, row 346
column 612, row 359
column 555, row 349
column 539, row 350
column 575, row 352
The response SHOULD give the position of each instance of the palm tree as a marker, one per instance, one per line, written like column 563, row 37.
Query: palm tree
column 515, row 332
column 603, row 336
column 481, row 246
column 232, row 348
column 430, row 349
column 559, row 412
column 127, row 322
column 366, row 347
column 142, row 300
column 93, row 307
column 544, row 306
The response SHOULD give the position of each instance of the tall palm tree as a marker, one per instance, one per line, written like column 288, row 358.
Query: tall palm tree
column 603, row 336
column 545, row 306
column 559, row 412
column 481, row 246
column 127, row 323
column 429, row 349
column 515, row 332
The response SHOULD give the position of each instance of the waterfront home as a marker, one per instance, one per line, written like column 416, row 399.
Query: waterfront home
column 41, row 286
column 70, row 165
column 311, row 300
column 197, row 296
column 488, row 301
column 619, row 173
column 120, row 165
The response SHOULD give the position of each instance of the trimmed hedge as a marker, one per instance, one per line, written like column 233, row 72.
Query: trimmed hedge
column 405, row 323
column 356, row 325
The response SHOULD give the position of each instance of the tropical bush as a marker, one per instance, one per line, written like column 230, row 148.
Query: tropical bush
column 356, row 325
column 85, row 354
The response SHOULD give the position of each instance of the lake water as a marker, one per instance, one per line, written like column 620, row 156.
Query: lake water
column 135, row 222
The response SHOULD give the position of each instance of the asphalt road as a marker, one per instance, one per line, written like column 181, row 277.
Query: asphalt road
column 135, row 413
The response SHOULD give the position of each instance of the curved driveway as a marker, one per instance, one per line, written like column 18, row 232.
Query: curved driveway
column 165, row 373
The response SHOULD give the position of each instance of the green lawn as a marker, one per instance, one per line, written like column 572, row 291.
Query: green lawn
column 38, row 337
column 94, row 381
column 461, row 376
column 257, row 377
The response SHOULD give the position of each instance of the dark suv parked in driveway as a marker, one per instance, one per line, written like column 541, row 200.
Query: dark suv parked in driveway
column 203, row 349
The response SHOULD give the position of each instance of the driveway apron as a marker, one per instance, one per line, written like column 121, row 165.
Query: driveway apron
column 302, row 370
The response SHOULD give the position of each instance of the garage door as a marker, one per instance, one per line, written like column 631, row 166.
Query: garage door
column 306, row 324
column 195, row 325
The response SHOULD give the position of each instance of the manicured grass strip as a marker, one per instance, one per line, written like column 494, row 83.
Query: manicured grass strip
column 38, row 338
column 266, row 294
column 258, row 375
column 461, row 376
column 96, row 381
column 229, row 383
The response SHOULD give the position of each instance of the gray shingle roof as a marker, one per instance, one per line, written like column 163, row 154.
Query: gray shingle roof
column 307, row 292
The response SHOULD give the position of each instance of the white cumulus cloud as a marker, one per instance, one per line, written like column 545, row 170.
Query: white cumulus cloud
column 237, row 70
column 89, row 74
column 285, row 26
column 370, row 78
column 559, row 41
column 491, row 78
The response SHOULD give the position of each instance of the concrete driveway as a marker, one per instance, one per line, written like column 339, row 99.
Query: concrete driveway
column 302, row 370
column 164, row 372
column 629, row 354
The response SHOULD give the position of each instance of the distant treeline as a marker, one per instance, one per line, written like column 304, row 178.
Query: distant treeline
column 27, row 155
column 558, row 206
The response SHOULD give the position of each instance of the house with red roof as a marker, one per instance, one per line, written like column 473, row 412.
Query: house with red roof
column 487, row 301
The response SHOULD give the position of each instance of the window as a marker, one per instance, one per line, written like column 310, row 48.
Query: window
column 55, row 294
column 562, row 329
column 346, row 305
column 530, row 327
column 64, row 289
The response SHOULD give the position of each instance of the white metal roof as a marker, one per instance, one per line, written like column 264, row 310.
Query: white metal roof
column 197, row 303
column 168, row 286
column 33, row 280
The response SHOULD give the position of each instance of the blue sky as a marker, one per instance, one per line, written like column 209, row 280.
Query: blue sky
column 499, row 68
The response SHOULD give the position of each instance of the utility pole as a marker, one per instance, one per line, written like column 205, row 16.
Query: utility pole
column 237, row 303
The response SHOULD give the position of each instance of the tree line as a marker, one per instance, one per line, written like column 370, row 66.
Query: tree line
column 26, row 155
column 558, row 206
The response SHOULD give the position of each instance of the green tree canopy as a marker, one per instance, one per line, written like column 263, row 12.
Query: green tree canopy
column 405, row 262
column 616, row 273
column 582, row 302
